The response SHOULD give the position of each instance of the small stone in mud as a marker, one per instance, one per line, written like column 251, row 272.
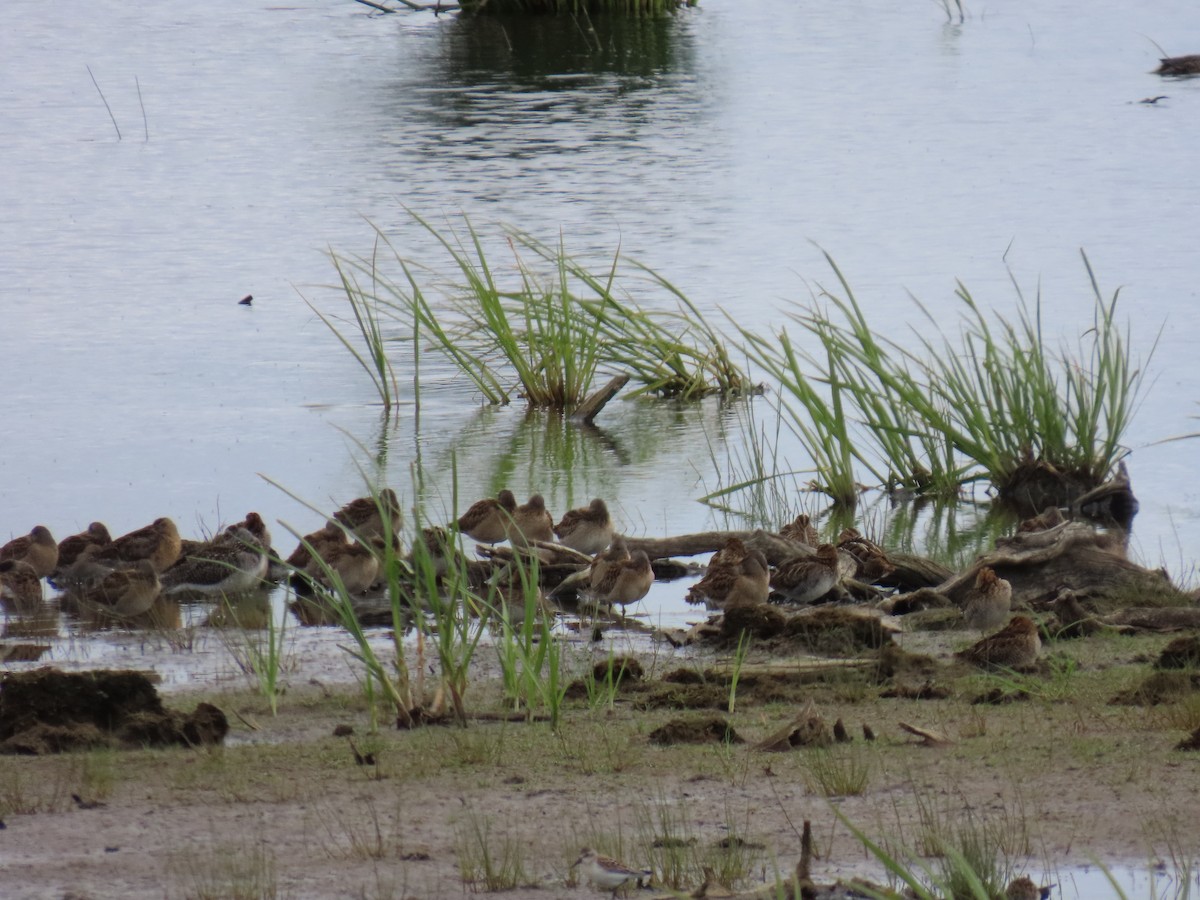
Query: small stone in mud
column 713, row 730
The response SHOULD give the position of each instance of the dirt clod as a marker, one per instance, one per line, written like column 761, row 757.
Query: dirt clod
column 50, row 711
column 711, row 730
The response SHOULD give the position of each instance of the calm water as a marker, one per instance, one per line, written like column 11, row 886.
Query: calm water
column 724, row 148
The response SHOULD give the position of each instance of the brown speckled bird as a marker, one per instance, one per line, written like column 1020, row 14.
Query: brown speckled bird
column 530, row 522
column 988, row 602
column 71, row 548
column 158, row 542
column 487, row 521
column 356, row 566
column 870, row 559
column 371, row 516
column 588, row 529
column 801, row 530
column 19, row 584
column 617, row 552
column 627, row 581
column 330, row 535
column 1015, row 646
column 129, row 591
column 807, row 578
column 752, row 586
column 234, row 562
column 38, row 549
column 723, row 570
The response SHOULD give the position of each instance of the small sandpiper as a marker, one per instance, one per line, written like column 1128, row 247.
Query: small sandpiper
column 588, row 529
column 38, row 549
column 232, row 563
column 71, row 548
column 606, row 872
column 530, row 522
column 125, row 592
column 989, row 601
column 19, row 584
column 723, row 570
column 800, row 531
column 808, row 578
column 487, row 521
column 158, row 542
column 627, row 581
column 375, row 515
column 1015, row 646
column 617, row 552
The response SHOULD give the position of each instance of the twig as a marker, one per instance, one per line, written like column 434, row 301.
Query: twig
column 106, row 106
column 145, row 123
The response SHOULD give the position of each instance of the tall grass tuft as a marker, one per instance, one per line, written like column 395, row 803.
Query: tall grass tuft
column 542, row 329
column 999, row 403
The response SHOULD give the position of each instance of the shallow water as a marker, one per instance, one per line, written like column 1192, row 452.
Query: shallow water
column 724, row 148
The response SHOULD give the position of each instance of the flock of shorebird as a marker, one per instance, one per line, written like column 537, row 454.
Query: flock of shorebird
column 127, row 574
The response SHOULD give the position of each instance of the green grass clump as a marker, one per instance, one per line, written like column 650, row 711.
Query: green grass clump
column 999, row 403
column 543, row 331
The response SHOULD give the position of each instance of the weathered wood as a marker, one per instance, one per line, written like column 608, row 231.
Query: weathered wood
column 928, row 737
column 772, row 546
column 598, row 399
column 1074, row 554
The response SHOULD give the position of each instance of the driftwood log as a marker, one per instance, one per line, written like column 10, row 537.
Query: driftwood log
column 1074, row 555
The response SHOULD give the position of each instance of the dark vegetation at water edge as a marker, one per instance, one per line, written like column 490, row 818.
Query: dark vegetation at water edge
column 999, row 402
column 573, row 7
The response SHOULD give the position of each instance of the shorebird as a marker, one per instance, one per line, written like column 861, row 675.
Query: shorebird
column 871, row 561
column 723, row 570
column 801, row 530
column 603, row 563
column 355, row 565
column 530, row 522
column 19, row 583
column 988, row 603
column 437, row 546
column 487, row 521
column 752, row 586
column 126, row 592
column 37, row 548
column 588, row 529
column 232, row 563
column 330, row 535
column 158, row 542
column 807, row 578
column 1015, row 646
column 627, row 581
column 606, row 872
column 71, row 548
column 375, row 515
